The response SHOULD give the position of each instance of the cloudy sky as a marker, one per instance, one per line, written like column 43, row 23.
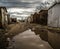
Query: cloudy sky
column 24, row 8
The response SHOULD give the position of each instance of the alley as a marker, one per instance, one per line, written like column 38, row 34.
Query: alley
column 29, row 24
column 28, row 40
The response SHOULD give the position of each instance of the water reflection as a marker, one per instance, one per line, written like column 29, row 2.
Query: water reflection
column 41, row 32
column 28, row 40
column 52, row 37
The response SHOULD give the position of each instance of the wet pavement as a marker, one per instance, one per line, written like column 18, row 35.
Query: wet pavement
column 28, row 40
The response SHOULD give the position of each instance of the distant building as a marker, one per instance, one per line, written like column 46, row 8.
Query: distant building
column 54, row 15
column 9, row 18
column 35, row 15
column 3, row 17
column 13, row 20
column 40, row 17
column 30, row 19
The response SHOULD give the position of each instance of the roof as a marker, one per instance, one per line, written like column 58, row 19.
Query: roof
column 42, row 10
column 53, row 5
column 3, row 8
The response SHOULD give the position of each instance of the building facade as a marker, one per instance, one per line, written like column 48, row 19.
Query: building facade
column 54, row 15
column 40, row 17
column 3, row 17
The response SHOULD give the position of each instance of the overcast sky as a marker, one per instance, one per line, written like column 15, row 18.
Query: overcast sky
column 23, row 8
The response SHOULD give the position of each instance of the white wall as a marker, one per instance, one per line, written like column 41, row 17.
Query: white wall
column 54, row 16
column 57, row 0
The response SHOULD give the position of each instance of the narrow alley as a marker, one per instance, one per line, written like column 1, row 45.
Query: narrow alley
column 29, row 24
column 28, row 40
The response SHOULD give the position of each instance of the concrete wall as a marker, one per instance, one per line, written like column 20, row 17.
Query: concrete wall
column 54, row 21
column 57, row 0
column 4, row 17
column 54, row 16
column 4, row 20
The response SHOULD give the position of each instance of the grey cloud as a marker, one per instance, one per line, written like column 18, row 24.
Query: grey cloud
column 23, row 4
column 20, row 3
column 15, row 4
column 18, row 13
